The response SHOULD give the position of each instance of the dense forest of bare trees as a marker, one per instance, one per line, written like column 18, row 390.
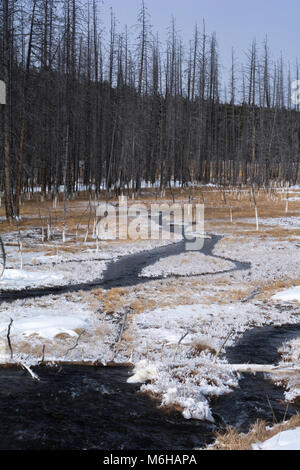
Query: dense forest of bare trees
column 92, row 106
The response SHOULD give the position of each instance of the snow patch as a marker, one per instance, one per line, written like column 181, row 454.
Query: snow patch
column 56, row 324
column 45, row 326
column 289, row 295
column 19, row 279
column 286, row 440
column 187, row 264
column 143, row 372
column 290, row 352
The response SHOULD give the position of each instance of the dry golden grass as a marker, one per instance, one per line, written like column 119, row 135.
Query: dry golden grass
column 216, row 207
column 213, row 199
column 141, row 297
column 180, row 292
column 96, row 293
column 114, row 299
column 115, row 294
column 127, row 337
column 102, row 331
column 28, row 348
column 176, row 292
column 230, row 295
column 281, row 233
column 110, row 301
column 142, row 305
column 168, row 297
column 233, row 440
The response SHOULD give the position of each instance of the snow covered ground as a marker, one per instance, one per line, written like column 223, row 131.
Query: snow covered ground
column 290, row 353
column 286, row 440
column 180, row 343
column 187, row 264
column 55, row 323
column 289, row 295
column 51, row 264
column 288, row 222
column 20, row 279
column 172, row 347
column 270, row 259
column 185, row 376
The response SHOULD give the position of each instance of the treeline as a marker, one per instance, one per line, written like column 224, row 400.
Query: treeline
column 109, row 110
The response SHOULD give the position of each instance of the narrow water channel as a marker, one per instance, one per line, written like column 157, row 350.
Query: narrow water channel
column 257, row 397
column 80, row 407
column 125, row 271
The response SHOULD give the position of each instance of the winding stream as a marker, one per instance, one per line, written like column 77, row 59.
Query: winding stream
column 126, row 271
column 80, row 407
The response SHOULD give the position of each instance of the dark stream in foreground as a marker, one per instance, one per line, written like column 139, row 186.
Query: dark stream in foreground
column 81, row 407
column 87, row 408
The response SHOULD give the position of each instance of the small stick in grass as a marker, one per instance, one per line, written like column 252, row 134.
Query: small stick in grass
column 271, row 407
column 76, row 344
column 220, row 349
column 286, row 411
column 3, row 260
column 8, row 338
column 43, row 353
column 118, row 342
column 287, row 201
column 131, row 355
column 255, row 205
column 179, row 343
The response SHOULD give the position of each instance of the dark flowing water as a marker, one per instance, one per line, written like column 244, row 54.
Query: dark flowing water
column 88, row 408
column 257, row 397
column 80, row 407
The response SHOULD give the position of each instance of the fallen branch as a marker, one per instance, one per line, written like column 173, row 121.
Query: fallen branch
column 264, row 368
column 258, row 368
column 62, row 363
